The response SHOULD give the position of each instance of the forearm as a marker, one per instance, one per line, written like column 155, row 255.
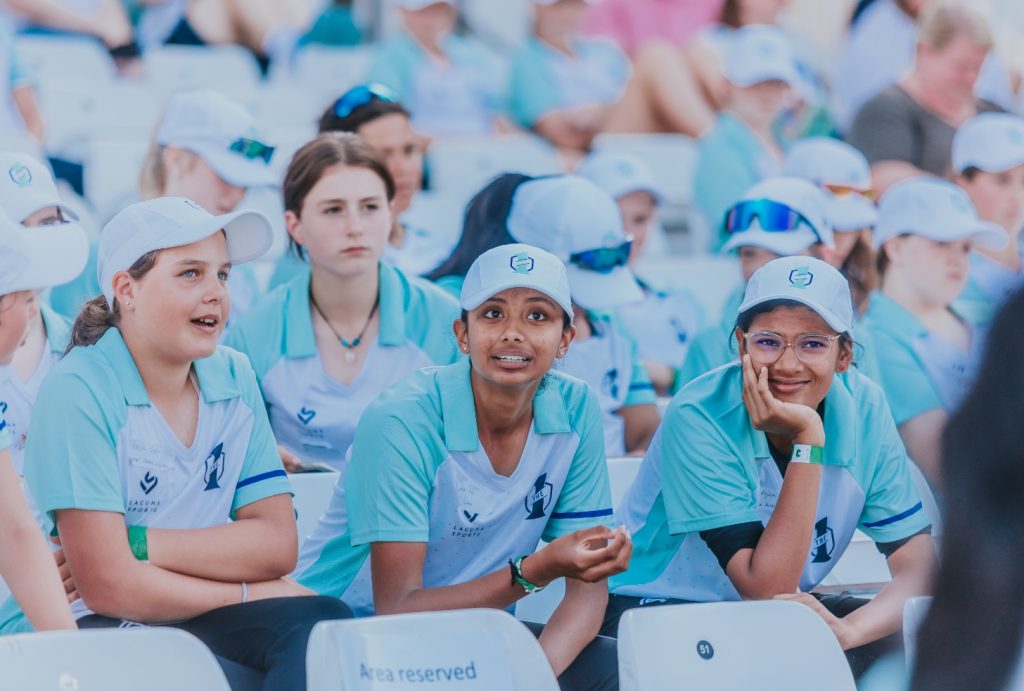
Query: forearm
column 495, row 590
column 575, row 622
column 52, row 13
column 253, row 549
column 24, row 98
column 27, row 567
column 640, row 424
column 885, row 174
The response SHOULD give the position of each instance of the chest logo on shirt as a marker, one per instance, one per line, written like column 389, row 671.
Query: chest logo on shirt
column 824, row 542
column 305, row 415
column 610, row 382
column 539, row 498
column 149, row 482
column 214, row 467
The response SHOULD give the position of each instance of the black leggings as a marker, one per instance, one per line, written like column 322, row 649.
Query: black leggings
column 596, row 668
column 840, row 605
column 267, row 635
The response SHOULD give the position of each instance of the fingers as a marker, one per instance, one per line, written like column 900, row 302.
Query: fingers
column 289, row 460
column 596, row 565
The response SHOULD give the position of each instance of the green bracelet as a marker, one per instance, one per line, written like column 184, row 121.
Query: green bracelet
column 137, row 542
column 807, row 453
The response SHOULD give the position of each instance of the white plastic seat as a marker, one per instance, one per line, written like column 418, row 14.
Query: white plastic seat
column 461, row 166
column 313, row 492
column 227, row 68
column 621, row 473
column 763, row 645
column 66, row 57
column 155, row 659
column 326, row 73
column 483, row 649
column 112, row 173
column 710, row 279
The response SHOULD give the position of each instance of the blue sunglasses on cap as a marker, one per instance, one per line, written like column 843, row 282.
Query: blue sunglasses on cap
column 252, row 149
column 359, row 96
column 772, row 217
column 603, row 260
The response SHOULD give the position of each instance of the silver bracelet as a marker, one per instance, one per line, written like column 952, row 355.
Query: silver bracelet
column 245, row 592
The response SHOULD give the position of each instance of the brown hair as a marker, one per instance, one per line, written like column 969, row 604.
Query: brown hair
column 327, row 150
column 861, row 270
column 97, row 316
column 942, row 21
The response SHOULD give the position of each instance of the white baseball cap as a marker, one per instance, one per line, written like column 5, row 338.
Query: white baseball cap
column 829, row 162
column 935, row 209
column 552, row 2
column 809, row 281
column 570, row 216
column 222, row 133
column 991, row 142
column 37, row 258
column 164, row 222
column 760, row 53
column 803, row 197
column 26, row 186
column 619, row 174
column 516, row 266
column 420, row 4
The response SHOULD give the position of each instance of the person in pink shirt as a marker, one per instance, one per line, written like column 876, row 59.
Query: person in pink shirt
column 631, row 23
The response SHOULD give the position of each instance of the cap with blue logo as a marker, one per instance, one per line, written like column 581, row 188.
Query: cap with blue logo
column 816, row 284
column 222, row 133
column 758, row 53
column 575, row 220
column 830, row 163
column 516, row 266
column 991, row 142
column 935, row 209
column 619, row 174
column 40, row 257
column 164, row 222
column 26, row 186
column 809, row 202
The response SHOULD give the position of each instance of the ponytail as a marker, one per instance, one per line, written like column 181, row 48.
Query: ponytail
column 97, row 316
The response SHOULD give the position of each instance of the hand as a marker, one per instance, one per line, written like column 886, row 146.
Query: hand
column 291, row 462
column 280, row 587
column 587, row 555
column 771, row 415
column 65, row 572
column 111, row 25
column 840, row 628
column 662, row 376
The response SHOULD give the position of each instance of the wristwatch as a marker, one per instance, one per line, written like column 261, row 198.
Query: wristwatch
column 516, row 566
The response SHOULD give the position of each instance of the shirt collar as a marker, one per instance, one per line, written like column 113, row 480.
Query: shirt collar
column 459, row 412
column 299, row 341
column 216, row 382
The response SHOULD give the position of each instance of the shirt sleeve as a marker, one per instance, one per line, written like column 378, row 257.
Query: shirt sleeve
column 532, row 93
column 705, row 482
column 387, row 482
column 906, row 384
column 707, row 351
column 883, row 130
column 262, row 474
column 585, row 500
column 71, row 454
column 892, row 508
column 391, row 67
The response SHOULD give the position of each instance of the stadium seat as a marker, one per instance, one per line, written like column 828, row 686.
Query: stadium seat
column 313, row 492
column 765, row 645
column 112, row 168
column 325, row 73
column 230, row 69
column 914, row 611
column 482, row 649
column 459, row 167
column 621, row 473
column 156, row 659
column 65, row 57
column 710, row 279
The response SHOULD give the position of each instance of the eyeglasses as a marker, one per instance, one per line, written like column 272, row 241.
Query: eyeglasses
column 359, row 96
column 252, row 149
column 603, row 260
column 843, row 191
column 772, row 217
column 768, row 346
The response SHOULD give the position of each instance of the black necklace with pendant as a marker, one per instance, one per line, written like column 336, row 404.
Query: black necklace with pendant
column 349, row 346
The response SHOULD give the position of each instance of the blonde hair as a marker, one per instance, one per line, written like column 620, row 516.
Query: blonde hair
column 943, row 20
column 153, row 176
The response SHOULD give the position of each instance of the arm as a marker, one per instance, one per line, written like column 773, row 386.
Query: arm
column 113, row 583
column 922, row 435
column 641, row 422
column 109, row 24
column 260, row 545
column 25, row 562
column 571, row 129
column 27, row 105
column 574, row 623
column 885, row 174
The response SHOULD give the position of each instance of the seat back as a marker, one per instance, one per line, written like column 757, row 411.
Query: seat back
column 313, row 492
column 469, row 649
column 766, row 645
column 156, row 659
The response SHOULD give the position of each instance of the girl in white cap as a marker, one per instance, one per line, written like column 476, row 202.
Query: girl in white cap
column 665, row 322
column 327, row 343
column 778, row 217
column 458, row 472
column 29, row 262
column 925, row 350
column 152, row 456
column 451, row 85
column 763, row 469
column 988, row 161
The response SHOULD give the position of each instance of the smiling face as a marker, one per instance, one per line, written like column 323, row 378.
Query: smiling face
column 177, row 310
column 514, row 337
column 790, row 378
column 936, row 272
column 345, row 221
column 17, row 310
column 998, row 197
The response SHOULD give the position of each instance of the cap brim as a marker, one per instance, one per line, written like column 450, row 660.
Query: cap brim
column 474, row 300
column 783, row 244
column 249, row 235
column 990, row 236
column 765, row 73
column 597, row 291
column 236, row 169
column 852, row 213
column 830, row 317
column 54, row 255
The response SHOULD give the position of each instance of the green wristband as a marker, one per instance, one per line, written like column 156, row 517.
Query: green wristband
column 137, row 542
column 806, row 453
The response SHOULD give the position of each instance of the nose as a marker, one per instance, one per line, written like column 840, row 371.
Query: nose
column 788, row 361
column 512, row 332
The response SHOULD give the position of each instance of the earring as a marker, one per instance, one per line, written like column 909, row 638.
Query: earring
column 464, row 349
